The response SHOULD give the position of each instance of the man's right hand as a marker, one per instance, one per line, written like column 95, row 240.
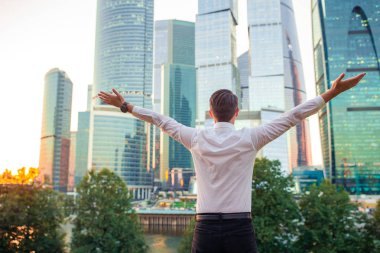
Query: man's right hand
column 112, row 99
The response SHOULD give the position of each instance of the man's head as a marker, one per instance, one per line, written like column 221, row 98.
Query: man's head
column 224, row 106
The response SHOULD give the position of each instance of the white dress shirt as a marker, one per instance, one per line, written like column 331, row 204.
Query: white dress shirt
column 224, row 157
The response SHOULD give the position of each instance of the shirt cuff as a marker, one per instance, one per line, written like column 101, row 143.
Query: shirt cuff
column 135, row 109
column 321, row 102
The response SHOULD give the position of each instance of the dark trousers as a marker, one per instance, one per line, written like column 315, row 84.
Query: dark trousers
column 224, row 236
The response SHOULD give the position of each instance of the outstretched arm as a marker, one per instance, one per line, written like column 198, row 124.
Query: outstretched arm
column 268, row 132
column 177, row 131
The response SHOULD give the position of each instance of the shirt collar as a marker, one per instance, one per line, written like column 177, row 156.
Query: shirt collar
column 224, row 125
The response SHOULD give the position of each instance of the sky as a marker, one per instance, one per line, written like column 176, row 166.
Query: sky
column 38, row 35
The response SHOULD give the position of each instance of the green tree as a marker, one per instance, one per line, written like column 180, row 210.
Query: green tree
column 104, row 219
column 276, row 217
column 30, row 219
column 372, row 230
column 332, row 224
column 376, row 226
column 187, row 239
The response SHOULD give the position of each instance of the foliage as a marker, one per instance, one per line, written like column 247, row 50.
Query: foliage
column 332, row 224
column 373, row 231
column 187, row 239
column 21, row 178
column 105, row 221
column 275, row 213
column 30, row 219
column 376, row 214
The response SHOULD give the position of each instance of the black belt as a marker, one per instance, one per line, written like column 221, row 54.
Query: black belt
column 222, row 216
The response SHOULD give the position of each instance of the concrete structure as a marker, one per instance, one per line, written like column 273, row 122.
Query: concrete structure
column 174, row 218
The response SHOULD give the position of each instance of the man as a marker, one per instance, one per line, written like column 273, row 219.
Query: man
column 223, row 160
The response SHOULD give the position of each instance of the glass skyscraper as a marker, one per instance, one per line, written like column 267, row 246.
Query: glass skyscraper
column 55, row 133
column 123, row 60
column 82, row 140
column 82, row 146
column 243, row 66
column 215, row 51
column 175, row 86
column 71, row 173
column 346, row 38
column 276, row 75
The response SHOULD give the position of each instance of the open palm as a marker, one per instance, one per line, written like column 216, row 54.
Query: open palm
column 112, row 99
column 341, row 85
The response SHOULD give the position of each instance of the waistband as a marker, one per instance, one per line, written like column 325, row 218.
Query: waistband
column 222, row 216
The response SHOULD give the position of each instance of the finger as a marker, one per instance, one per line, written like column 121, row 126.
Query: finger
column 106, row 97
column 340, row 77
column 105, row 94
column 356, row 78
column 106, row 101
column 102, row 96
column 117, row 94
column 360, row 76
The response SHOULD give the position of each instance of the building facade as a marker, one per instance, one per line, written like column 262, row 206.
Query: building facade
column 346, row 38
column 179, row 97
column 306, row 176
column 55, row 133
column 174, row 87
column 123, row 60
column 71, row 173
column 243, row 67
column 276, row 76
column 82, row 140
column 82, row 146
column 215, row 51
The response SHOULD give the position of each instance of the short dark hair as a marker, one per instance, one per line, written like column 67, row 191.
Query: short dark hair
column 223, row 104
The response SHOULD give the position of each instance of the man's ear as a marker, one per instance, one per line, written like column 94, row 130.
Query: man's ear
column 211, row 114
column 237, row 112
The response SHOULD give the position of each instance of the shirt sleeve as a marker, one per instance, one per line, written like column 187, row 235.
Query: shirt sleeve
column 267, row 132
column 177, row 131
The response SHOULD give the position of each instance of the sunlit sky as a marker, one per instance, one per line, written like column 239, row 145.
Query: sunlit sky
column 38, row 35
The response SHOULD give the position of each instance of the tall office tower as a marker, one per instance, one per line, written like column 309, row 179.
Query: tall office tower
column 123, row 60
column 276, row 76
column 71, row 174
column 55, row 134
column 346, row 38
column 82, row 146
column 243, row 66
column 175, row 85
column 89, row 97
column 82, row 140
column 215, row 51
